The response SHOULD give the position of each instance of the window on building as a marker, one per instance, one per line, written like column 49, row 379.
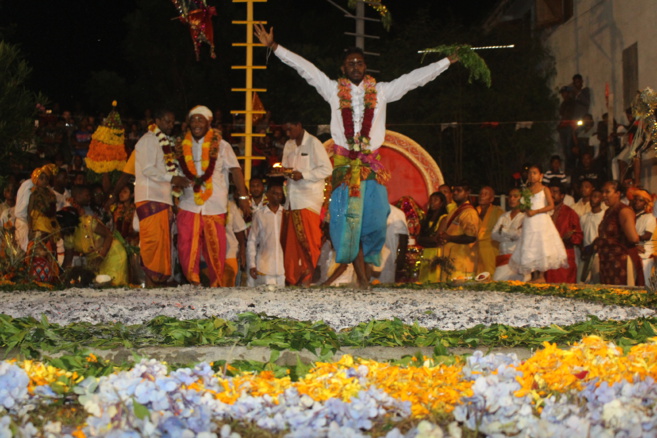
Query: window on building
column 630, row 74
column 553, row 12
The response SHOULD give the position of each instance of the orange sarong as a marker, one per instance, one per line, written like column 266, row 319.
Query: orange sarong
column 198, row 235
column 231, row 269
column 301, row 239
column 155, row 219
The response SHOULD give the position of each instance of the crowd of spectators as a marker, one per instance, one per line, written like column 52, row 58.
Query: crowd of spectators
column 452, row 241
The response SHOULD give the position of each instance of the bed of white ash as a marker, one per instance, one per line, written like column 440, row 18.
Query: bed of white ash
column 339, row 308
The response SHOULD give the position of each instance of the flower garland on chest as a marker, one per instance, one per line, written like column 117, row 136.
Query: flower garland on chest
column 202, row 185
column 361, row 140
column 167, row 149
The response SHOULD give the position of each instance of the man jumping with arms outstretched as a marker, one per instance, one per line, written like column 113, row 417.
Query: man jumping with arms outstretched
column 359, row 203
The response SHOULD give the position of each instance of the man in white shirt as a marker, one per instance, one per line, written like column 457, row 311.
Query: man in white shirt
column 645, row 227
column 207, row 160
column 257, row 194
column 590, row 222
column 264, row 252
column 306, row 165
column 358, row 117
column 155, row 173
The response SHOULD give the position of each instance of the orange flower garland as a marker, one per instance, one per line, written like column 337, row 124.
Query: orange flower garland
column 209, row 153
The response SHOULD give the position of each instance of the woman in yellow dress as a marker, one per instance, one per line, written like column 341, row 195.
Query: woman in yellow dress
column 104, row 254
column 428, row 238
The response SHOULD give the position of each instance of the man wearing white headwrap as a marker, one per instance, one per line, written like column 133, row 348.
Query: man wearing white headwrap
column 207, row 161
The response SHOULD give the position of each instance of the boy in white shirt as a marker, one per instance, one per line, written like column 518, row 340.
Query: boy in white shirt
column 235, row 245
column 641, row 202
column 590, row 223
column 263, row 249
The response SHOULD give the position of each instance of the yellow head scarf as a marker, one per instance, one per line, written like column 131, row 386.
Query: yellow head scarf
column 49, row 169
column 644, row 194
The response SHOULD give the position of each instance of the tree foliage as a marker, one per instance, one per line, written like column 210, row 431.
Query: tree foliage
column 18, row 106
column 483, row 153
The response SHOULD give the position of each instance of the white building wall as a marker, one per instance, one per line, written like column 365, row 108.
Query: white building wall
column 591, row 43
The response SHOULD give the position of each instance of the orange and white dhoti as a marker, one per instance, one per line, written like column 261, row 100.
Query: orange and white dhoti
column 301, row 239
column 200, row 234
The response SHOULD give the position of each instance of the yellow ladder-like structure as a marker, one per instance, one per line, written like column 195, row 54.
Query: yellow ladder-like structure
column 248, row 111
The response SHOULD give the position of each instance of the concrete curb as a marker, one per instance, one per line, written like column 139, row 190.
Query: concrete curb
column 191, row 355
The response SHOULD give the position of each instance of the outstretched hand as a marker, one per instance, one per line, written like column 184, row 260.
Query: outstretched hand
column 265, row 38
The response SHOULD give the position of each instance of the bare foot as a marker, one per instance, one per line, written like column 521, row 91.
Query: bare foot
column 364, row 285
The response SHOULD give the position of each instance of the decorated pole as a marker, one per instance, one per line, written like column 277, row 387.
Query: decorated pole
column 248, row 90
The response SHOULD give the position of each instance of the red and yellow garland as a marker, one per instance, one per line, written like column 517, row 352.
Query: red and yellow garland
column 359, row 141
column 358, row 156
column 202, row 185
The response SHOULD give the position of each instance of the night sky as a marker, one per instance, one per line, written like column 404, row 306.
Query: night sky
column 66, row 40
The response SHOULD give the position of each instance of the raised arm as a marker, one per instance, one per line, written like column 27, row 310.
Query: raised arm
column 397, row 88
column 306, row 69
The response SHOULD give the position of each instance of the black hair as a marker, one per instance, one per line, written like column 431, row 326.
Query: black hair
column 352, row 50
column 68, row 219
column 577, row 76
column 76, row 190
column 464, row 184
column 615, row 184
column 555, row 157
column 161, row 112
column 293, row 118
column 537, row 167
column 130, row 187
column 426, row 225
column 556, row 182
column 588, row 180
column 274, row 183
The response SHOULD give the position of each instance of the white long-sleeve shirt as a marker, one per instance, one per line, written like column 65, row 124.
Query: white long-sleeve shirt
column 590, row 223
column 152, row 181
column 645, row 223
column 217, row 203
column 309, row 158
column 263, row 247
column 385, row 92
column 23, row 199
column 234, row 224
column 507, row 231
column 396, row 225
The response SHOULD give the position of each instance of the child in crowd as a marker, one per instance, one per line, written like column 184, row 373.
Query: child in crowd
column 540, row 247
column 264, row 251
column 590, row 271
column 104, row 254
column 123, row 213
column 507, row 232
column 235, row 245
